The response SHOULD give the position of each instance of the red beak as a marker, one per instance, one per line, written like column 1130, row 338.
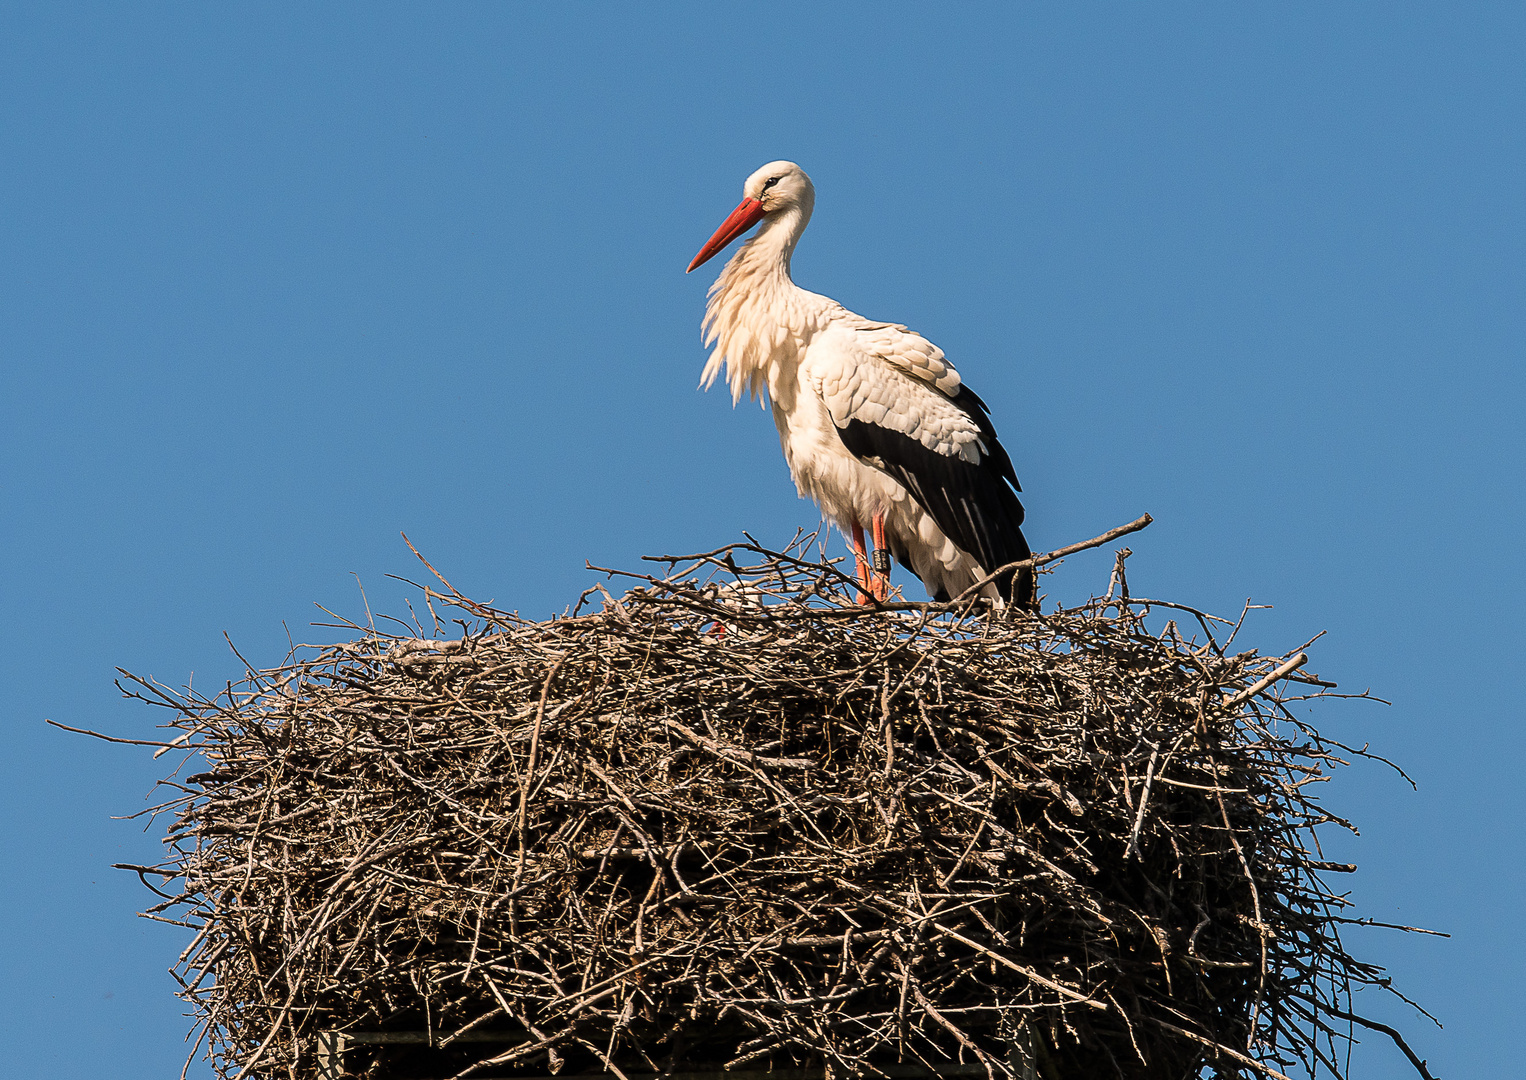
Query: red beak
column 742, row 218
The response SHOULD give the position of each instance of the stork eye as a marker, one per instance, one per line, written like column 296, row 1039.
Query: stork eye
column 771, row 181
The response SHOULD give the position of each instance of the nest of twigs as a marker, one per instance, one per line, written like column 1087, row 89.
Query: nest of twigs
column 734, row 820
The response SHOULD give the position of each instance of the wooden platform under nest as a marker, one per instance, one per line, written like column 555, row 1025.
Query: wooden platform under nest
column 733, row 820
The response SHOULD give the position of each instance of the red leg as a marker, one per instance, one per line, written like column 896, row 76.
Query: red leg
column 862, row 556
column 881, row 583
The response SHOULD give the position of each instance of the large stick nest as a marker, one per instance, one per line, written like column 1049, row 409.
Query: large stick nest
column 736, row 820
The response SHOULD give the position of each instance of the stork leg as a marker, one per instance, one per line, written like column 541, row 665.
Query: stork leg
column 881, row 582
column 862, row 557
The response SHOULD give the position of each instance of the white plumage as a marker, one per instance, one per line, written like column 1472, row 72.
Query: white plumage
column 876, row 425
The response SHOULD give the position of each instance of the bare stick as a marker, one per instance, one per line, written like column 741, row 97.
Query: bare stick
column 1059, row 553
column 1282, row 672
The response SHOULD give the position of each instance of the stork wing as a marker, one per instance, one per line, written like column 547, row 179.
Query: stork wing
column 907, row 351
column 899, row 406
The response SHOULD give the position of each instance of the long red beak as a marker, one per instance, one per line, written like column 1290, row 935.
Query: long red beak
column 742, row 218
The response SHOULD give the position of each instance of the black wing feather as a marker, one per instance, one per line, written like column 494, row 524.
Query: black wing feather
column 972, row 503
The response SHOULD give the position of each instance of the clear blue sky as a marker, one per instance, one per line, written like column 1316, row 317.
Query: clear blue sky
column 277, row 282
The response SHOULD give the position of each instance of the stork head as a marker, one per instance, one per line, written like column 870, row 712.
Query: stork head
column 777, row 187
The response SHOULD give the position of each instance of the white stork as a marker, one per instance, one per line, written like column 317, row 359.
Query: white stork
column 876, row 425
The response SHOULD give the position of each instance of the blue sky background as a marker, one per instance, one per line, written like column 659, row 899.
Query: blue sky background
column 279, row 282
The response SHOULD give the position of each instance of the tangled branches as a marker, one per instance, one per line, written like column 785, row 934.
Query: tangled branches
column 734, row 820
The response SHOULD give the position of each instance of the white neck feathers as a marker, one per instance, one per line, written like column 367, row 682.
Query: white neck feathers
column 756, row 317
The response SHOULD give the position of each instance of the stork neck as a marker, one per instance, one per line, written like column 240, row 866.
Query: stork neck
column 770, row 251
column 755, row 309
column 765, row 259
column 757, row 278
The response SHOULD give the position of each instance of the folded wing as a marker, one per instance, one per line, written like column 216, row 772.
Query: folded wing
column 900, row 407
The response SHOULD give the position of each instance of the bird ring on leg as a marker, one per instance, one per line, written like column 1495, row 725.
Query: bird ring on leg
column 881, row 562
